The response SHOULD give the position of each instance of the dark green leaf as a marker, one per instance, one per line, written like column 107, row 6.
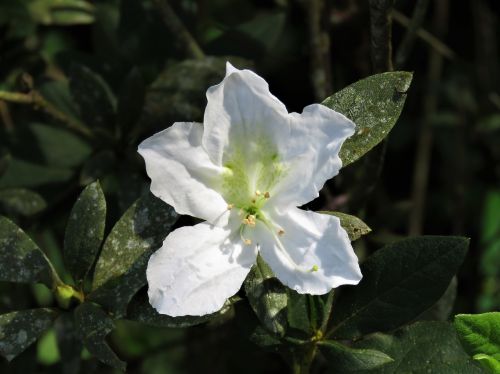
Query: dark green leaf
column 18, row 330
column 264, row 339
column 85, row 231
column 4, row 162
column 441, row 310
column 131, row 101
column 61, row 12
column 68, row 342
column 26, row 174
column 400, row 281
column 353, row 225
column 97, row 167
column 488, row 362
column 93, row 97
column 21, row 260
column 267, row 297
column 139, row 232
column 343, row 359
column 93, row 325
column 20, row 201
column 424, row 347
column 59, row 147
column 307, row 314
column 374, row 105
column 141, row 311
column 57, row 93
column 480, row 334
column 264, row 29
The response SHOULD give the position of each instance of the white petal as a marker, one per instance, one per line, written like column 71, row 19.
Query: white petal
column 197, row 269
column 311, row 156
column 242, row 114
column 182, row 173
column 313, row 255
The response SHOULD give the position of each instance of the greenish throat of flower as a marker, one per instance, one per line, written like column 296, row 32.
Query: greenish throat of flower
column 248, row 179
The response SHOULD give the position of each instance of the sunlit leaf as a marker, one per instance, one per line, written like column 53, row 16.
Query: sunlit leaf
column 354, row 226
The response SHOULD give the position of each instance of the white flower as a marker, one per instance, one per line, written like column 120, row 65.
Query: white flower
column 245, row 171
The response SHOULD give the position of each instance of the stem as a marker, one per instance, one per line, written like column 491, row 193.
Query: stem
column 177, row 28
column 425, row 140
column 411, row 32
column 319, row 45
column 37, row 101
column 381, row 35
column 302, row 360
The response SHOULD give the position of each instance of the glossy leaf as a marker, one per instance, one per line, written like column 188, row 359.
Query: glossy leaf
column 355, row 227
column 267, row 297
column 21, row 201
column 343, row 359
column 18, row 330
column 85, row 231
column 400, row 281
column 21, row 260
column 93, row 97
column 424, row 347
column 480, row 335
column 93, row 325
column 374, row 105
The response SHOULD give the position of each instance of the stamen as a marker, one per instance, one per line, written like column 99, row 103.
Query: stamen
column 251, row 220
column 267, row 195
column 230, row 206
column 314, row 268
column 281, row 232
column 253, row 201
column 257, row 193
column 247, row 242
column 245, row 221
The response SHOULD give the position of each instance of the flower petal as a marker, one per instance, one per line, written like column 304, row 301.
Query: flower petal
column 197, row 269
column 182, row 174
column 314, row 253
column 241, row 113
column 312, row 154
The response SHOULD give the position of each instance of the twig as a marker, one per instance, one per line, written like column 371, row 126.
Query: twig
column 37, row 101
column 411, row 33
column 381, row 35
column 319, row 45
column 177, row 28
column 426, row 36
column 424, row 144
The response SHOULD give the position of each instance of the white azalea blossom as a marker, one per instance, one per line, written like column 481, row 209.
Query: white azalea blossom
column 245, row 171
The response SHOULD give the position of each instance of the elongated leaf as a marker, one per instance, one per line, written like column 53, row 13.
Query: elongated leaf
column 400, row 281
column 140, row 310
column 480, row 334
column 93, row 97
column 442, row 309
column 374, row 105
column 85, row 231
column 355, row 227
column 140, row 231
column 61, row 12
column 343, row 359
column 21, row 260
column 267, row 297
column 26, row 174
column 20, row 201
column 18, row 330
column 93, row 325
column 488, row 362
column 424, row 347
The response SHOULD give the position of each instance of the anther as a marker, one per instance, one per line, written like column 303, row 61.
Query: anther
column 246, row 221
column 251, row 220
column 267, row 195
column 257, row 193
column 314, row 268
column 247, row 242
column 230, row 206
column 281, row 232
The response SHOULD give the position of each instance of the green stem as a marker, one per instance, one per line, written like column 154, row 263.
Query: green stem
column 37, row 101
column 302, row 361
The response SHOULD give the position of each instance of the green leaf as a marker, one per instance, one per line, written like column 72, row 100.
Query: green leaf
column 265, row 29
column 20, row 201
column 480, row 333
column 4, row 162
column 22, row 173
column 21, row 260
column 59, row 147
column 423, row 347
column 97, row 167
column 343, row 359
column 442, row 309
column 353, row 225
column 85, row 231
column 57, row 93
column 123, row 259
column 374, row 105
column 267, row 297
column 93, row 325
column 61, row 12
column 131, row 101
column 47, row 351
column 400, row 281
column 18, row 330
column 68, row 342
column 264, row 339
column 93, row 97
column 140, row 310
column 488, row 362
